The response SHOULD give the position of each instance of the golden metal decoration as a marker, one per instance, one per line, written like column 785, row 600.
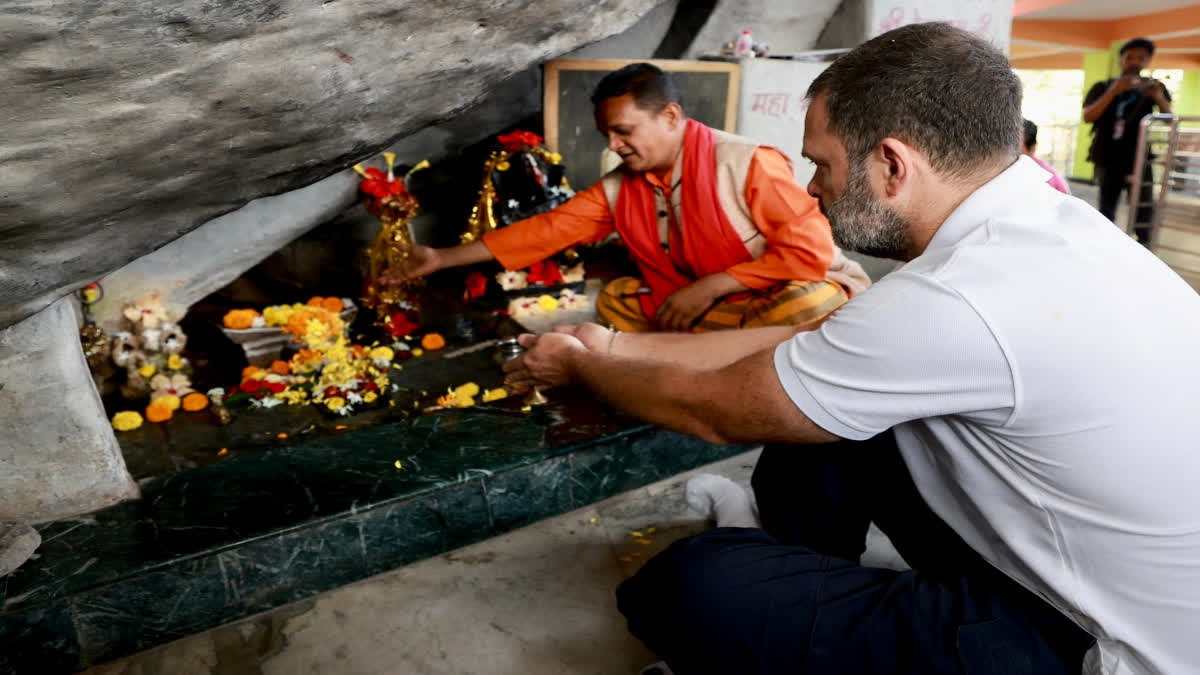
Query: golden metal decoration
column 389, row 250
column 392, row 246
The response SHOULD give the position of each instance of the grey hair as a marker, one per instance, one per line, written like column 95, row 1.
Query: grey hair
column 940, row 89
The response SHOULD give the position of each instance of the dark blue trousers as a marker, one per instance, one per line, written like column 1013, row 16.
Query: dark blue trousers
column 792, row 598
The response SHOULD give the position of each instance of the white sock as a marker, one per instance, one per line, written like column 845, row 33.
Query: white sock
column 720, row 499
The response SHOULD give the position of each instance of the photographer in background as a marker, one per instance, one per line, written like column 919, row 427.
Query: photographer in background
column 1115, row 107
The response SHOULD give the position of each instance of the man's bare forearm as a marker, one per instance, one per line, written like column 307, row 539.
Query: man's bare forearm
column 703, row 351
column 465, row 254
column 740, row 403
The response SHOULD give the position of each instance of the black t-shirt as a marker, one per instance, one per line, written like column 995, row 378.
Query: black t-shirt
column 1115, row 134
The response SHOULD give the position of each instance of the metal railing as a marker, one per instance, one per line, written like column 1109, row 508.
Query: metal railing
column 1170, row 146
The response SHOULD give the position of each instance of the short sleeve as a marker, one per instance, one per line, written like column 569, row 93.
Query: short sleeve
column 1095, row 93
column 908, row 348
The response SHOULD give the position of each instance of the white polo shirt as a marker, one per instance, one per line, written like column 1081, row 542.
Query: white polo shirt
column 1042, row 373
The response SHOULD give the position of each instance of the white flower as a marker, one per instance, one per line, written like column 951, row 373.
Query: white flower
column 216, row 394
column 354, row 398
column 512, row 203
column 401, row 346
column 258, row 322
column 573, row 274
column 511, row 280
column 150, row 339
column 521, row 307
column 270, row 402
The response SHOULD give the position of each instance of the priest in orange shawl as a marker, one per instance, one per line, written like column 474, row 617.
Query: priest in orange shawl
column 723, row 235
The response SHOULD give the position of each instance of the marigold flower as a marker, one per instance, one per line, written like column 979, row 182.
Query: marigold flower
column 332, row 305
column 127, row 420
column 147, row 370
column 547, row 303
column 494, row 394
column 281, row 367
column 195, row 402
column 249, row 372
column 370, row 397
column 175, row 362
column 240, row 319
column 170, row 400
column 336, row 403
column 159, row 411
column 466, row 390
column 315, row 301
column 433, row 341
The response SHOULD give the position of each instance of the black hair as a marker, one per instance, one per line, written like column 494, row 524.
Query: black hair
column 1030, row 134
column 945, row 91
column 652, row 88
column 1136, row 43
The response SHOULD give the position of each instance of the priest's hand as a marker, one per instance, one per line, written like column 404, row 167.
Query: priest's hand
column 421, row 261
column 684, row 307
column 547, row 361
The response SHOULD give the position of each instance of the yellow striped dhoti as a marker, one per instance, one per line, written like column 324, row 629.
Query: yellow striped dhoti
column 791, row 303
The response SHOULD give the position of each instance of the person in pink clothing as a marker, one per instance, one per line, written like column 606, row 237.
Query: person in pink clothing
column 1056, row 181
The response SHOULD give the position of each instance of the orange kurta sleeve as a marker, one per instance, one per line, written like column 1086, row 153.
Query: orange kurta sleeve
column 799, row 241
column 583, row 219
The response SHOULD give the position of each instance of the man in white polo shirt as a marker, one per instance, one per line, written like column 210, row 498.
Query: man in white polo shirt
column 1016, row 407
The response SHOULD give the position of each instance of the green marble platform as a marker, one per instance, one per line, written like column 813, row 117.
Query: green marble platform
column 217, row 537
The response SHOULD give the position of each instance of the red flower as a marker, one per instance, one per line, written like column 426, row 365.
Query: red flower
column 378, row 186
column 544, row 272
column 399, row 325
column 251, row 385
column 370, row 386
column 476, row 285
column 518, row 139
column 332, row 392
column 275, row 387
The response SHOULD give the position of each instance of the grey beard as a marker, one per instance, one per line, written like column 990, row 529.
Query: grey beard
column 861, row 223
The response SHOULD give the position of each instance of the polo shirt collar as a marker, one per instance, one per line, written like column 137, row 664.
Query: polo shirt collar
column 1004, row 194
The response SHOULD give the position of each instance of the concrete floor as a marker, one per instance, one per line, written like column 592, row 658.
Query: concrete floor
column 535, row 601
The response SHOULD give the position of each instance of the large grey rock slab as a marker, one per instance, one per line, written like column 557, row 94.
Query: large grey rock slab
column 787, row 27
column 58, row 454
column 129, row 124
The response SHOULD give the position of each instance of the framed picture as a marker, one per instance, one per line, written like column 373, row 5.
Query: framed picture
column 709, row 91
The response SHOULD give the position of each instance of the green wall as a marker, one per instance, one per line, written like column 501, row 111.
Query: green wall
column 1097, row 67
column 1188, row 101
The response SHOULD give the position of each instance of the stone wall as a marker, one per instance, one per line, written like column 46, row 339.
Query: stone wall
column 58, row 455
column 128, row 125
